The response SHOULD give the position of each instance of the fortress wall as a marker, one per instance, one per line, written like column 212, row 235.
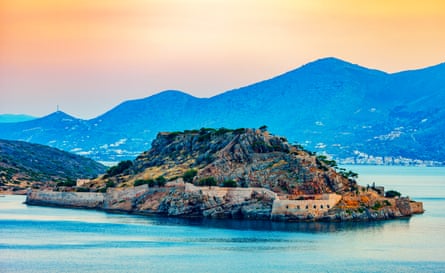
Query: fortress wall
column 122, row 198
column 66, row 199
column 304, row 207
column 236, row 195
column 416, row 207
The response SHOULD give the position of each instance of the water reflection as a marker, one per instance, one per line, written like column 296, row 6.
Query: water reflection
column 16, row 210
column 255, row 225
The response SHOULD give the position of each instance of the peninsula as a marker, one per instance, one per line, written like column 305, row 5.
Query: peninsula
column 238, row 174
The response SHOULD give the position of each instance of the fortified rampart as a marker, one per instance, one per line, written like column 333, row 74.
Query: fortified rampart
column 217, row 202
column 283, row 209
column 123, row 198
column 92, row 200
column 236, row 195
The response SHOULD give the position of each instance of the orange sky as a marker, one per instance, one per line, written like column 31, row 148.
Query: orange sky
column 88, row 55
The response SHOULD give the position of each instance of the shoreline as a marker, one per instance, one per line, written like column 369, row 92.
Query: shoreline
column 221, row 203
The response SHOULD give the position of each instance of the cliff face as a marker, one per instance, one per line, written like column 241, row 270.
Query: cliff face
column 243, row 173
column 187, row 200
column 251, row 158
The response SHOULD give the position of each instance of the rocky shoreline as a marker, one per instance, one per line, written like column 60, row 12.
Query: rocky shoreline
column 231, row 174
column 187, row 200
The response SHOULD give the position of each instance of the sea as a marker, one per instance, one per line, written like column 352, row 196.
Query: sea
column 46, row 239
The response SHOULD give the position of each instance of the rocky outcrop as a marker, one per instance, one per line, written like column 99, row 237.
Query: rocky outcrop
column 187, row 200
column 217, row 202
column 269, row 179
column 251, row 158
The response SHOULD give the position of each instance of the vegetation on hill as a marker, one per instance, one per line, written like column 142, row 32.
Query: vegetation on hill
column 25, row 164
column 280, row 181
column 232, row 158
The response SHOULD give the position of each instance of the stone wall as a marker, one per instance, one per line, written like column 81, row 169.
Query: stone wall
column 82, row 182
column 236, row 195
column 416, row 207
column 66, row 199
column 303, row 208
column 219, row 202
column 123, row 198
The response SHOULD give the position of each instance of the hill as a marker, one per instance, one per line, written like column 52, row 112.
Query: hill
column 244, row 157
column 352, row 113
column 242, row 173
column 25, row 164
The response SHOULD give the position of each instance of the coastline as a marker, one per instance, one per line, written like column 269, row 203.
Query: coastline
column 189, row 201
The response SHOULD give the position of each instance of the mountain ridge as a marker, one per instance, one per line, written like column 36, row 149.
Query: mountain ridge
column 8, row 118
column 355, row 114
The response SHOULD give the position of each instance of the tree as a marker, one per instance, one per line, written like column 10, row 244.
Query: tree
column 230, row 183
column 120, row 168
column 161, row 181
column 392, row 194
column 208, row 181
column 109, row 184
column 348, row 174
column 149, row 182
column 263, row 128
column 189, row 175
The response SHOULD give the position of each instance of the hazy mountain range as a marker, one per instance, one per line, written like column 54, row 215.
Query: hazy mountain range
column 350, row 112
column 4, row 118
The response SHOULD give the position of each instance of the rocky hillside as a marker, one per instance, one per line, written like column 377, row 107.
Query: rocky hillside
column 25, row 164
column 243, row 173
column 242, row 158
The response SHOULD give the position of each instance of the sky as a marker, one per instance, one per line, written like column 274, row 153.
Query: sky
column 88, row 56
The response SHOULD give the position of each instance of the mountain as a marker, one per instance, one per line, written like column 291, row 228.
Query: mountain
column 223, row 173
column 247, row 157
column 23, row 164
column 6, row 118
column 354, row 114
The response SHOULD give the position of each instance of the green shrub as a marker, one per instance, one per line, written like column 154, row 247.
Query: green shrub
column 119, row 168
column 149, row 182
column 392, row 194
column 239, row 131
column 189, row 175
column 171, row 136
column 173, row 178
column 208, row 181
column 68, row 183
column 377, row 205
column 324, row 159
column 109, row 184
column 348, row 174
column 81, row 189
column 222, row 131
column 230, row 183
column 160, row 181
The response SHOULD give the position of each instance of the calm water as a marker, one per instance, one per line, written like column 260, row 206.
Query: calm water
column 39, row 239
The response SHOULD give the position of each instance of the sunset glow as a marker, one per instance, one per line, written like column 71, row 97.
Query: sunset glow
column 88, row 56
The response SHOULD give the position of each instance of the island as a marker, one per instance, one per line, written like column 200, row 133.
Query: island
column 231, row 174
